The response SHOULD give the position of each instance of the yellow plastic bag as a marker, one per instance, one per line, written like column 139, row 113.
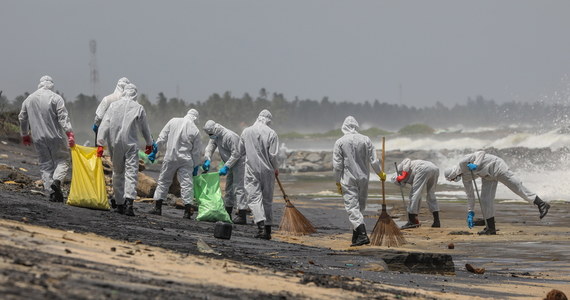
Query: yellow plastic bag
column 87, row 179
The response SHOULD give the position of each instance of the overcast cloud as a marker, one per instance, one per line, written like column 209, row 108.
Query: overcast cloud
column 347, row 50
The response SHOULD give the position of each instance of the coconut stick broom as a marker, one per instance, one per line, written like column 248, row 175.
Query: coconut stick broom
column 386, row 231
column 293, row 222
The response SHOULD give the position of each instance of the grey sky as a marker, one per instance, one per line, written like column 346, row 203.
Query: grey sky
column 347, row 50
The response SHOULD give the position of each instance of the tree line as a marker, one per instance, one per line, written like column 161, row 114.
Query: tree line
column 313, row 116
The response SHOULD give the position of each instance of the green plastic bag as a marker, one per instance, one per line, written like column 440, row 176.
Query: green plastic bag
column 208, row 196
column 144, row 157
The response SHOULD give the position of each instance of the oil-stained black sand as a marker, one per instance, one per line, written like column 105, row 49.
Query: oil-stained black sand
column 522, row 263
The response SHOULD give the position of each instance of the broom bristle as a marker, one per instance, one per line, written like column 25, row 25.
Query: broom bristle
column 386, row 232
column 293, row 222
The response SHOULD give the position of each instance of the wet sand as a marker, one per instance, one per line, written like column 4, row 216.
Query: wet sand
column 525, row 260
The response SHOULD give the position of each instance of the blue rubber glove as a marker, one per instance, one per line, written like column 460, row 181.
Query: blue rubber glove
column 224, row 170
column 470, row 216
column 152, row 157
column 472, row 166
column 154, row 147
column 206, row 165
column 95, row 128
column 195, row 172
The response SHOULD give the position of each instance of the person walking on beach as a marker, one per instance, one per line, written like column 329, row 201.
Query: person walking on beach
column 181, row 156
column 118, row 130
column 45, row 122
column 492, row 170
column 227, row 143
column 353, row 154
column 419, row 174
column 107, row 100
column 260, row 146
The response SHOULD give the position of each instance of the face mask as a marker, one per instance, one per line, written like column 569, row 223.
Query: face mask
column 213, row 136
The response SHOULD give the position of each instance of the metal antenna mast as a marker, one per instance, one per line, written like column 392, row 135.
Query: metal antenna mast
column 93, row 70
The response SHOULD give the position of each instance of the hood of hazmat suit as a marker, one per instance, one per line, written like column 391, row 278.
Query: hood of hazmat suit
column 123, row 120
column 225, row 140
column 44, row 114
column 353, row 154
column 182, row 140
column 107, row 100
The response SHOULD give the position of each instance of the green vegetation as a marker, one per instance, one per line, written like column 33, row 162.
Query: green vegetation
column 416, row 129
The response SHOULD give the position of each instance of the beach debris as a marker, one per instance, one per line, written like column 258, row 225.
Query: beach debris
column 556, row 295
column 450, row 246
column 204, row 248
column 472, row 269
column 460, row 232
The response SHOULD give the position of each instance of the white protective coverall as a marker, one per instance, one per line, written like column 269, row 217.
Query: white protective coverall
column 118, row 131
column 259, row 144
column 421, row 174
column 181, row 137
column 227, row 143
column 44, row 114
column 107, row 100
column 491, row 169
column 352, row 156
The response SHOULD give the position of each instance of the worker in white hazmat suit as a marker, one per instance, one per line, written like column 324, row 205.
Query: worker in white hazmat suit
column 259, row 143
column 492, row 170
column 118, row 130
column 227, row 143
column 107, row 100
column 44, row 120
column 353, row 154
column 181, row 144
column 419, row 174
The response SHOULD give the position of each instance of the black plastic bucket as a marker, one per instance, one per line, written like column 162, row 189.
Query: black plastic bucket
column 223, row 230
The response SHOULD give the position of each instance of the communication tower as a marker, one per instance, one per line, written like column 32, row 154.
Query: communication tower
column 93, row 70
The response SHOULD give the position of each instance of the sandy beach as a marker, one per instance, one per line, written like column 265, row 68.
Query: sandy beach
column 52, row 250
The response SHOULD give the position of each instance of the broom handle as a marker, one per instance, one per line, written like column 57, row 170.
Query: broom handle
column 282, row 190
column 478, row 197
column 401, row 188
column 383, row 156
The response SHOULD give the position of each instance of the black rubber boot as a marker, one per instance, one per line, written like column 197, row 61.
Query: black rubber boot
column 543, row 207
column 241, row 218
column 121, row 209
column 229, row 210
column 57, row 193
column 412, row 222
column 129, row 207
column 267, row 232
column 113, row 203
column 157, row 209
column 436, row 223
column 490, row 229
column 362, row 237
column 260, row 230
column 354, row 236
column 188, row 211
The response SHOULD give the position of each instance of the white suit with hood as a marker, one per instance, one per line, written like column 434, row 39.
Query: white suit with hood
column 118, row 131
column 182, row 153
column 352, row 156
column 44, row 114
column 260, row 146
column 107, row 100
column 227, row 143
column 492, row 170
column 421, row 174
